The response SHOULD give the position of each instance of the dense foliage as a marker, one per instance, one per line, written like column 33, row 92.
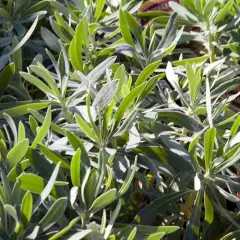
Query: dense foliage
column 114, row 130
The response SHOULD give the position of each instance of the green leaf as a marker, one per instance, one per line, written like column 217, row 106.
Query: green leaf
column 105, row 95
column 75, row 49
column 156, row 236
column 80, row 235
column 149, row 213
column 60, row 8
column 31, row 182
column 5, row 77
column 100, row 69
column 35, row 8
column 148, row 230
column 47, row 190
column 209, row 140
column 12, row 126
column 44, row 129
column 21, row 108
column 180, row 119
column 193, row 227
column 134, row 27
column 132, row 234
column 191, row 61
column 17, row 57
column 229, row 162
column 103, row 200
column 235, row 127
column 128, row 180
column 194, row 83
column 36, row 82
column 17, row 153
column 77, row 144
column 183, row 12
column 26, row 209
column 112, row 220
column 90, row 187
column 208, row 8
column 21, row 132
column 54, row 157
column 85, row 128
column 17, row 170
column 50, row 39
column 54, row 213
column 209, row 210
column 75, row 169
column 223, row 12
column 59, row 234
column 11, row 211
column 5, row 189
column 151, row 84
column 173, row 79
column 22, row 42
column 147, row 73
column 170, row 32
column 120, row 75
column 125, row 29
column 126, row 103
column 46, row 76
column 231, row 236
column 100, row 5
column 54, row 127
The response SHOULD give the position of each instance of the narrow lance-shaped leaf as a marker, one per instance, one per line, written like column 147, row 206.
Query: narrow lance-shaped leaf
column 11, row 211
column 208, row 103
column 78, row 144
column 147, row 72
column 46, row 76
column 103, row 200
column 47, row 190
column 229, row 162
column 193, row 227
column 127, row 102
column 209, row 212
column 26, row 209
column 148, row 214
column 5, row 77
column 128, row 180
column 170, row 32
column 21, row 108
column 54, row 213
column 59, row 234
column 125, row 29
column 100, row 5
column 22, row 42
column 193, row 83
column 54, row 157
column 209, row 140
column 224, row 11
column 64, row 79
column 17, row 153
column 38, row 83
column 85, row 127
column 75, row 49
column 75, row 169
column 112, row 220
column 21, row 132
column 100, row 70
column 44, row 129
